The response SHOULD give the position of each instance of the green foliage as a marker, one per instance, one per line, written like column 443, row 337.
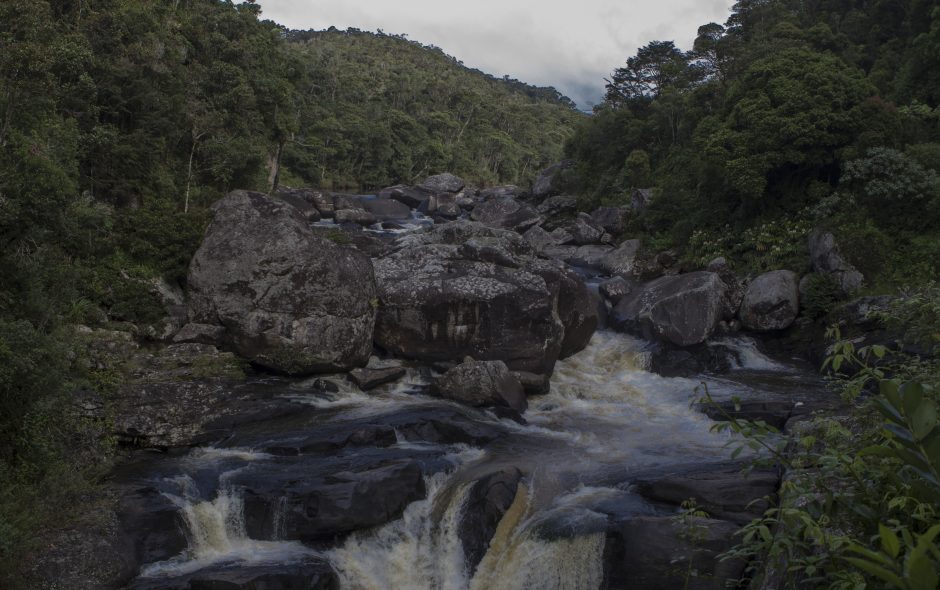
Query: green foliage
column 897, row 191
column 860, row 502
column 758, row 249
column 820, row 296
column 378, row 110
column 772, row 113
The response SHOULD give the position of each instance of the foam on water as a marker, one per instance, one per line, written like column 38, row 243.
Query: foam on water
column 215, row 532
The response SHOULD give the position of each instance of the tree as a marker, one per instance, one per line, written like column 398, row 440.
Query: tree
column 656, row 66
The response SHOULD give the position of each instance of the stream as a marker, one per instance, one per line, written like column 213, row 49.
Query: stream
column 376, row 489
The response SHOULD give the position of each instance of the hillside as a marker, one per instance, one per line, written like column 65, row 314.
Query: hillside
column 790, row 115
column 380, row 109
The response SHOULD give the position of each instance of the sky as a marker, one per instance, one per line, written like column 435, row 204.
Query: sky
column 572, row 46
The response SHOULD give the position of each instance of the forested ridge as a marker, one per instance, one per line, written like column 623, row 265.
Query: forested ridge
column 382, row 109
column 789, row 115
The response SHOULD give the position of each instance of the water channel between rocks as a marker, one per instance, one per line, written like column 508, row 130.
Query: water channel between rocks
column 604, row 421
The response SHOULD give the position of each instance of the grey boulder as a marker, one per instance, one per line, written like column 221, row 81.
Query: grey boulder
column 443, row 183
column 288, row 300
column 623, row 260
column 481, row 383
column 771, row 301
column 506, row 213
column 466, row 289
column 683, row 310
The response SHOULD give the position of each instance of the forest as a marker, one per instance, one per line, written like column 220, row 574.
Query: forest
column 790, row 115
column 122, row 121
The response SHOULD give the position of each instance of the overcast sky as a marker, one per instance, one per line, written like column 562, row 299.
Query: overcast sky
column 572, row 46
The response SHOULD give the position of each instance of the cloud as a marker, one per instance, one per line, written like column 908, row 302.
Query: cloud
column 572, row 48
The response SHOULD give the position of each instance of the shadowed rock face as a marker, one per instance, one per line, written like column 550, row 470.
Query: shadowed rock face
column 828, row 260
column 289, row 300
column 490, row 498
column 465, row 289
column 506, row 213
column 683, row 310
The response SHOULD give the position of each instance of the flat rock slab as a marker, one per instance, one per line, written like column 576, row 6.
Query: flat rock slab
column 656, row 553
column 367, row 379
column 723, row 492
column 312, row 574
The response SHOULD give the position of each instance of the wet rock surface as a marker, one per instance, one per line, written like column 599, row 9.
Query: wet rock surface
column 481, row 383
column 489, row 499
column 312, row 574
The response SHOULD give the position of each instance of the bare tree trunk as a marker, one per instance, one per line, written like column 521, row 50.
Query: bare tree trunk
column 189, row 170
column 464, row 128
column 276, row 177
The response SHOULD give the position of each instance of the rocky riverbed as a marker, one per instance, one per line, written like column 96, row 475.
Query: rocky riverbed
column 439, row 387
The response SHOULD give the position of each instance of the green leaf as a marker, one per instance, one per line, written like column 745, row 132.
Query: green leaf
column 901, row 433
column 921, row 573
column 877, row 571
column 890, row 411
column 890, row 390
column 877, row 451
column 923, row 419
column 890, row 543
column 912, row 394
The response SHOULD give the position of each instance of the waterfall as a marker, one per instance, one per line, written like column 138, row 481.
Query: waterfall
column 415, row 552
column 215, row 533
column 421, row 552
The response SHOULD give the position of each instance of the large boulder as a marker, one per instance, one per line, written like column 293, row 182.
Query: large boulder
column 465, row 289
column 506, row 213
column 591, row 256
column 289, row 300
column 683, row 310
column 386, row 209
column 557, row 209
column 580, row 231
column 481, row 383
column 611, row 219
column 413, row 197
column 623, row 260
column 549, row 181
column 302, row 200
column 828, row 260
column 771, row 301
column 443, row 183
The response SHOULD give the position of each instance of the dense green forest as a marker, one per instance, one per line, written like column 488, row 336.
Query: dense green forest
column 792, row 114
column 121, row 121
column 379, row 109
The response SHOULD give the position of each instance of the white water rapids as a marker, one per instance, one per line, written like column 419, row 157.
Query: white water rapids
column 605, row 418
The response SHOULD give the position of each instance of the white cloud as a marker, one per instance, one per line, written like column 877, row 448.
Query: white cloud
column 570, row 46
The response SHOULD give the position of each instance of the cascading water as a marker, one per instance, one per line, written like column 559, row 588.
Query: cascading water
column 215, row 529
column 605, row 420
column 604, row 415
